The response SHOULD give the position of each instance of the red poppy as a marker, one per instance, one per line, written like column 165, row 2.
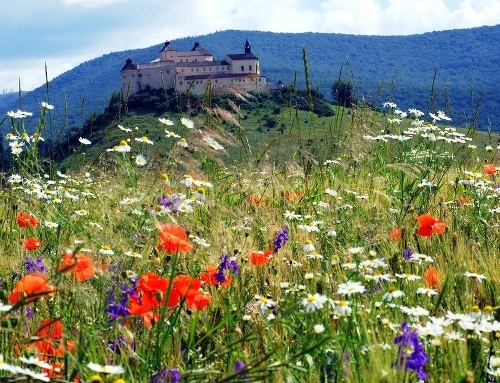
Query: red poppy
column 31, row 287
column 290, row 196
column 432, row 278
column 255, row 201
column 31, row 243
column 430, row 225
column 198, row 300
column 259, row 258
column 50, row 344
column 395, row 234
column 26, row 220
column 490, row 169
column 50, row 328
column 81, row 266
column 173, row 238
column 150, row 294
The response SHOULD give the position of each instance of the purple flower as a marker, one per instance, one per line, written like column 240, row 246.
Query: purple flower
column 281, row 238
column 120, row 309
column 407, row 253
column 226, row 263
column 171, row 203
column 35, row 265
column 413, row 360
column 166, row 376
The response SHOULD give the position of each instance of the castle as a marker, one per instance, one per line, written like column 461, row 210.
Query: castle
column 194, row 71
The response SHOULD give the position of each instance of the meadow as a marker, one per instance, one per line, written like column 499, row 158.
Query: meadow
column 357, row 248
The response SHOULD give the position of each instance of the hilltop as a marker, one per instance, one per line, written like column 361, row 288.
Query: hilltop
column 451, row 70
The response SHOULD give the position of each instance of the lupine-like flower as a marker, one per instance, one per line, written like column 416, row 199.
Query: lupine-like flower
column 414, row 359
column 35, row 265
column 281, row 238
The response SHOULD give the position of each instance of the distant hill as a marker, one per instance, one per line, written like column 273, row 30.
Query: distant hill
column 381, row 68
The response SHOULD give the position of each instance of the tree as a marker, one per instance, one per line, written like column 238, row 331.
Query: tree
column 342, row 93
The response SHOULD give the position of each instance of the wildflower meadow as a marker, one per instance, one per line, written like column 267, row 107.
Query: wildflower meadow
column 372, row 259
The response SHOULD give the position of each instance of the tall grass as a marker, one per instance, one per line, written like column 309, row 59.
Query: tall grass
column 382, row 264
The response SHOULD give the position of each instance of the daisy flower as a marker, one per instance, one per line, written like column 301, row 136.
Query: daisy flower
column 107, row 369
column 392, row 293
column 84, row 141
column 128, row 130
column 166, row 121
column 318, row 328
column 350, row 288
column 187, row 123
column 106, row 250
column 341, row 308
column 144, row 139
column 140, row 160
column 479, row 277
column 313, row 302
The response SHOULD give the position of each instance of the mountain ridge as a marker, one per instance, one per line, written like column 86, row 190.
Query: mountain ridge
column 459, row 63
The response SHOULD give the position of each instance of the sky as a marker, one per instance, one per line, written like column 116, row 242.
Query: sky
column 62, row 34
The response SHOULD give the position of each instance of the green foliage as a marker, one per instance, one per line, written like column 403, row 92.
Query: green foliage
column 342, row 93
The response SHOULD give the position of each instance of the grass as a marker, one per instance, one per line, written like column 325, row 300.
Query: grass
column 344, row 193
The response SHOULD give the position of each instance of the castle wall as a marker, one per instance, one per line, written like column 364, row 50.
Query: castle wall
column 193, row 71
column 155, row 75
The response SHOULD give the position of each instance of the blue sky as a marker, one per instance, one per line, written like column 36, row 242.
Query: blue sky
column 65, row 33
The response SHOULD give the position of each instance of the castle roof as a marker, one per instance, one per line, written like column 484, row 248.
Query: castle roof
column 242, row 56
column 128, row 66
column 202, row 63
column 167, row 47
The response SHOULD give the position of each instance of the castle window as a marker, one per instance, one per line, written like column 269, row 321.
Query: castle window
column 250, row 68
column 180, row 82
column 204, row 69
column 139, row 75
column 216, row 81
column 124, row 76
column 242, row 68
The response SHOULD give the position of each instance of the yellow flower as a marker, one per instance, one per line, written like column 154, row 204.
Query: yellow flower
column 96, row 379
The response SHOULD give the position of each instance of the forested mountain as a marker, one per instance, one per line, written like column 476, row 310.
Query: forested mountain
column 464, row 64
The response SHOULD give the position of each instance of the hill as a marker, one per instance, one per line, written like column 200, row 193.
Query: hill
column 396, row 68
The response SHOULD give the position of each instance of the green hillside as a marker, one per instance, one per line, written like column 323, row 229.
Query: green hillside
column 381, row 68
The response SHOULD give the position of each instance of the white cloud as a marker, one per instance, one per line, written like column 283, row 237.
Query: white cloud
column 90, row 3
